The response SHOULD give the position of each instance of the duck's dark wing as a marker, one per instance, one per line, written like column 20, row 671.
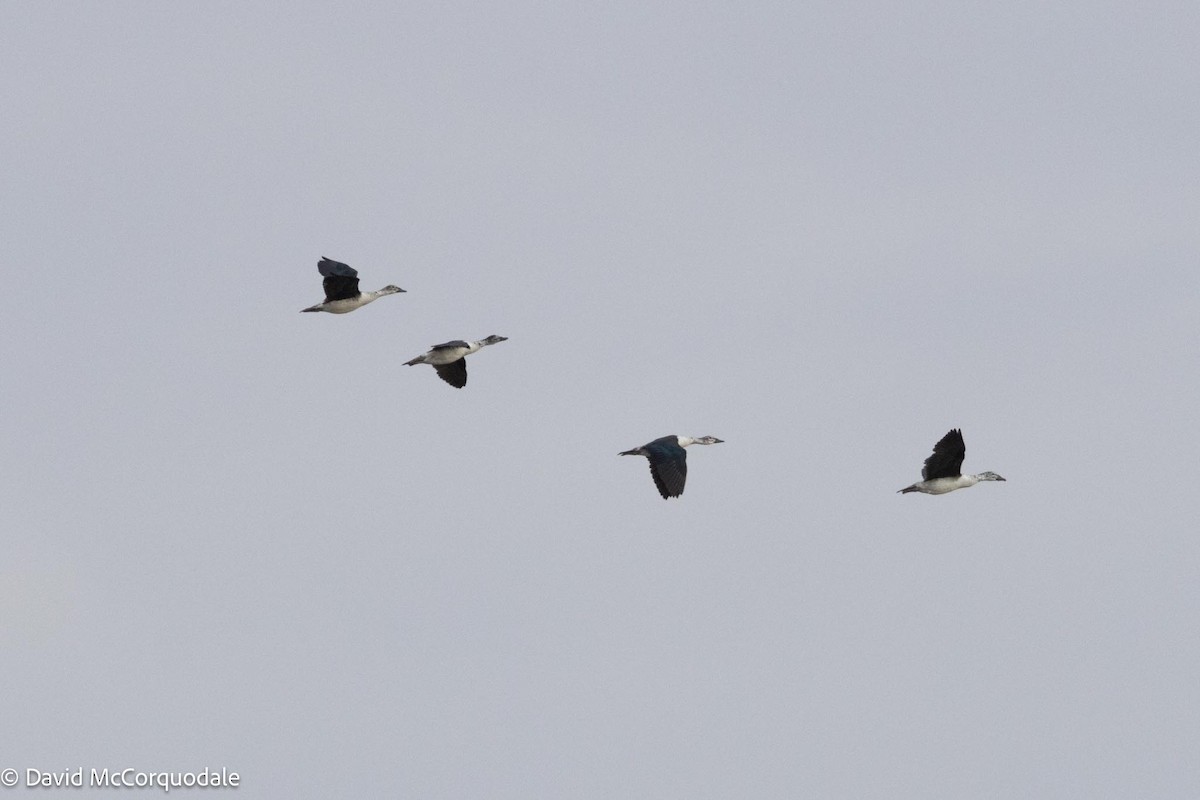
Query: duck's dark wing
column 947, row 458
column 454, row 373
column 448, row 345
column 341, row 280
column 668, row 466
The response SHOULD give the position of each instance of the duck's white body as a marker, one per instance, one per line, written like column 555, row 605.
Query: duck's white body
column 943, row 485
column 446, row 353
column 345, row 306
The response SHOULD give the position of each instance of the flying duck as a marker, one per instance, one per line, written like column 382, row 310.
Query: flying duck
column 450, row 358
column 668, row 461
column 341, row 289
column 942, row 470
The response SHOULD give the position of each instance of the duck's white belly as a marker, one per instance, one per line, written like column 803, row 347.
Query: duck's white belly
column 344, row 306
column 447, row 355
column 943, row 485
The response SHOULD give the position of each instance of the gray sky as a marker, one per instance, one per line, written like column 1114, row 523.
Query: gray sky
column 240, row 536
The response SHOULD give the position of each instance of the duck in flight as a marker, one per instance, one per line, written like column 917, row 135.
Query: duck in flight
column 341, row 289
column 668, row 461
column 943, row 470
column 450, row 358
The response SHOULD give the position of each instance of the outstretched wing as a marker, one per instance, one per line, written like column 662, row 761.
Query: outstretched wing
column 668, row 466
column 947, row 458
column 454, row 373
column 341, row 280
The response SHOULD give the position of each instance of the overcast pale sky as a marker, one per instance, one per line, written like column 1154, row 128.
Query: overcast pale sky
column 239, row 536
